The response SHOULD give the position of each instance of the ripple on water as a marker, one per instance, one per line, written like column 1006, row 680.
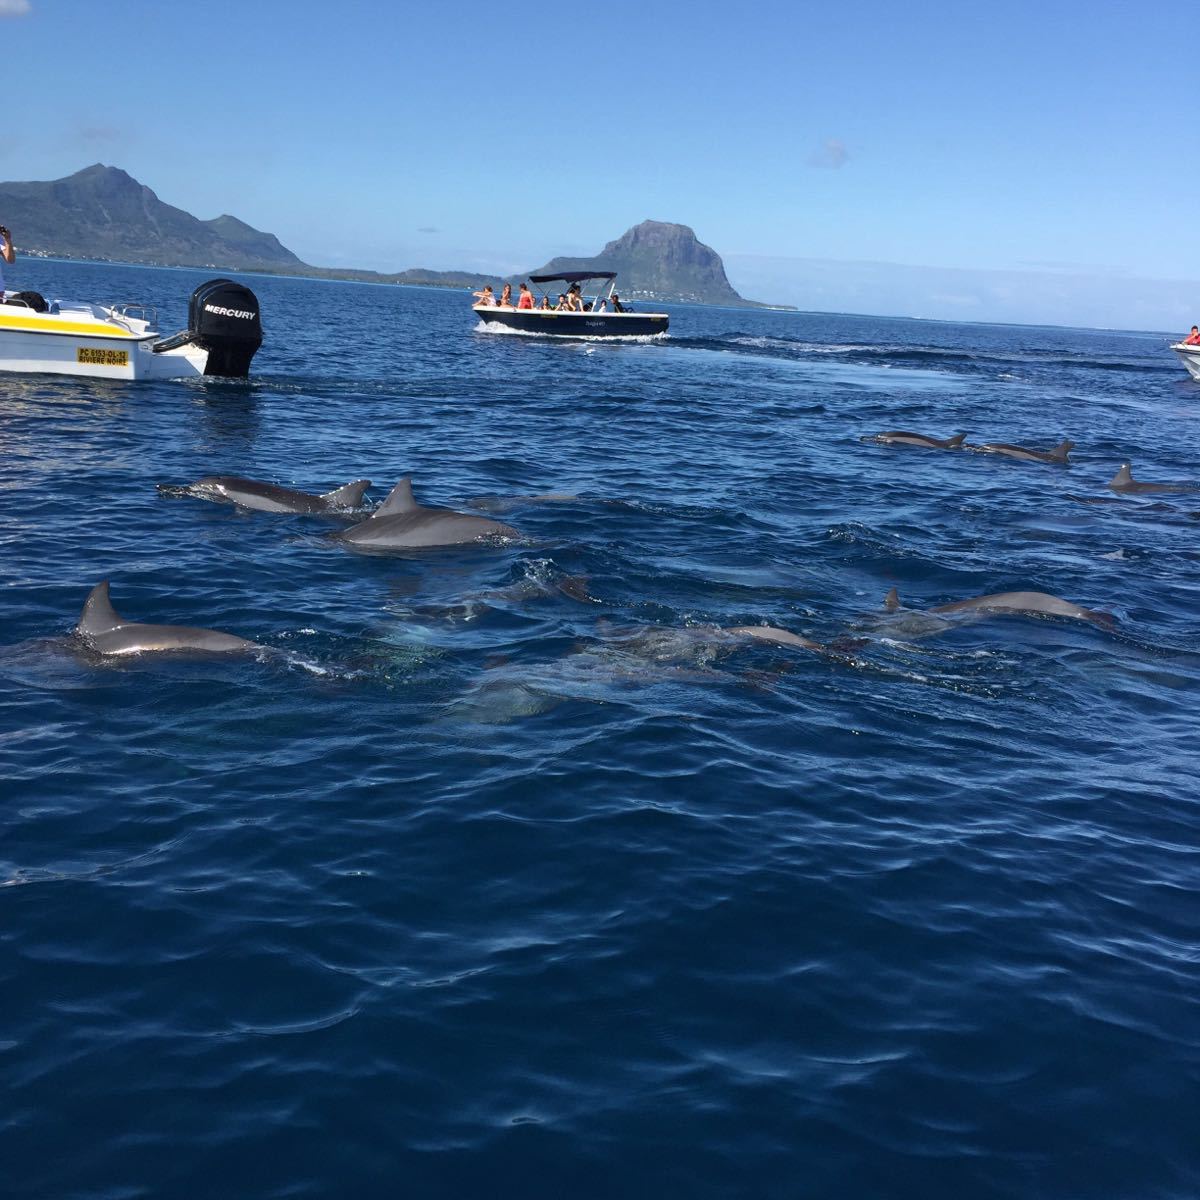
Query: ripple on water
column 508, row 869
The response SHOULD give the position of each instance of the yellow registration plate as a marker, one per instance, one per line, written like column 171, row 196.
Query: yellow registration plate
column 102, row 358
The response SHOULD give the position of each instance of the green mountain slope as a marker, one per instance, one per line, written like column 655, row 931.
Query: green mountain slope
column 101, row 212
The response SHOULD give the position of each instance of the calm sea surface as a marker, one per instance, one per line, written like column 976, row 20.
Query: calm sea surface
column 510, row 875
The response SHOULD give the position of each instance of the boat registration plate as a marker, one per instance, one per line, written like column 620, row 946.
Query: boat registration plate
column 102, row 358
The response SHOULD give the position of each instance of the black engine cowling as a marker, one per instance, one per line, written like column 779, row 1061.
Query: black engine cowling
column 224, row 319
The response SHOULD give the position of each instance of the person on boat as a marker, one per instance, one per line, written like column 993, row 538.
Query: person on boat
column 525, row 299
column 7, row 254
column 600, row 305
column 545, row 304
column 617, row 305
column 563, row 304
column 486, row 296
column 1192, row 339
column 574, row 298
column 506, row 296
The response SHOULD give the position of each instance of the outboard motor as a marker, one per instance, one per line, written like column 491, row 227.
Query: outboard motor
column 224, row 319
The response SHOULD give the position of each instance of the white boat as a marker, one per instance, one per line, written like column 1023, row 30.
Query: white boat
column 1191, row 358
column 123, row 342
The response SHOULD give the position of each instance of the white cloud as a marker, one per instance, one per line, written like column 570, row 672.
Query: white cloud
column 14, row 8
column 830, row 154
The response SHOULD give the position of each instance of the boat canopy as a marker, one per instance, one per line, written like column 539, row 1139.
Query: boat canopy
column 573, row 276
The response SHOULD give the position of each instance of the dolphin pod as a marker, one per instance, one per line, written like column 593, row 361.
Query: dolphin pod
column 1123, row 481
column 401, row 522
column 269, row 497
column 107, row 632
column 1057, row 456
column 902, row 437
column 1034, row 603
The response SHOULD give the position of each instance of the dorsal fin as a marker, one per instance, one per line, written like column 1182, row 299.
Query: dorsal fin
column 399, row 500
column 1123, row 477
column 892, row 600
column 956, row 441
column 98, row 614
column 349, row 496
column 1060, row 451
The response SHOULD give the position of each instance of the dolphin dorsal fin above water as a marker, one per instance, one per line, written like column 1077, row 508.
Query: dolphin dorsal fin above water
column 98, row 614
column 349, row 496
column 399, row 500
column 955, row 442
column 892, row 600
column 1061, row 450
column 1123, row 477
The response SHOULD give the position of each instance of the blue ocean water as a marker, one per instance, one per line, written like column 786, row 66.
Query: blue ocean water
column 510, row 874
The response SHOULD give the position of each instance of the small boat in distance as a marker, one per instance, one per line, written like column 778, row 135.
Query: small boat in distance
column 1190, row 356
column 561, row 323
column 122, row 341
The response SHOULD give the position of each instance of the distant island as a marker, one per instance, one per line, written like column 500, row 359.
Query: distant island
column 103, row 213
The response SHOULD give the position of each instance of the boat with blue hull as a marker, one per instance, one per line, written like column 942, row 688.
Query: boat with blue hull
column 594, row 318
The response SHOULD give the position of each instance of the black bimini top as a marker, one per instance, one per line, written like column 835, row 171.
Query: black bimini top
column 573, row 276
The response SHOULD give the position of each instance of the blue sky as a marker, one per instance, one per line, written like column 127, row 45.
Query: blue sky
column 1050, row 141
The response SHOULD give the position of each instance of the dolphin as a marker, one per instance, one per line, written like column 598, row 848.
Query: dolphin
column 900, row 437
column 1123, row 481
column 506, row 503
column 784, row 637
column 770, row 633
column 400, row 521
column 106, row 632
column 268, row 497
column 1057, row 456
column 1035, row 603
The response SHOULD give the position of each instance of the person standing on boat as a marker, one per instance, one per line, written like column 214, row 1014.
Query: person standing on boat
column 7, row 255
column 525, row 299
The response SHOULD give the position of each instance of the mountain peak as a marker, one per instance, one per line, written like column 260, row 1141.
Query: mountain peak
column 103, row 212
column 659, row 260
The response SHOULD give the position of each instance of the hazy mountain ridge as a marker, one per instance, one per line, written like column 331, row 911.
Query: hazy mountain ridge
column 104, row 213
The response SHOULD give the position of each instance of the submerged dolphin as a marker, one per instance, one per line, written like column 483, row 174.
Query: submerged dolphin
column 505, row 503
column 106, row 632
column 784, row 637
column 400, row 521
column 269, row 497
column 1057, row 456
column 901, row 437
column 1123, row 481
column 1036, row 603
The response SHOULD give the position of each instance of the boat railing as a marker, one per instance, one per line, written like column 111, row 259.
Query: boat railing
column 145, row 314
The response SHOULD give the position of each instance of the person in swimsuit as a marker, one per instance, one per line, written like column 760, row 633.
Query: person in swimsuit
column 486, row 296
column 525, row 299
column 506, row 296
column 562, row 305
column 545, row 304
